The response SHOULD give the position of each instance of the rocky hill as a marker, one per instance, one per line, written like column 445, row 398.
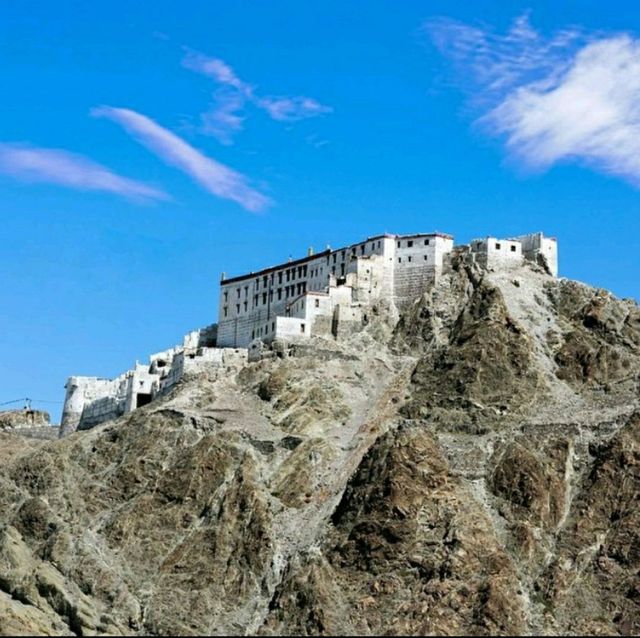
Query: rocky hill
column 474, row 468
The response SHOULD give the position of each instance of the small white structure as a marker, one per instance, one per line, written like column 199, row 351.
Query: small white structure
column 502, row 253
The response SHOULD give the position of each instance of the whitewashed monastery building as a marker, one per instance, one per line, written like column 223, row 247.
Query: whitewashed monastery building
column 328, row 293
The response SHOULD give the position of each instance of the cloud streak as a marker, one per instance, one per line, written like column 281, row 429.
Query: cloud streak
column 218, row 179
column 572, row 97
column 224, row 117
column 57, row 166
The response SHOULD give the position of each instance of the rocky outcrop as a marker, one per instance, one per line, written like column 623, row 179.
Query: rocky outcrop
column 11, row 419
column 475, row 472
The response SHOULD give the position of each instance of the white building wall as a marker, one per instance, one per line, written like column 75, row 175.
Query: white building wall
column 291, row 328
column 417, row 261
column 536, row 244
column 498, row 253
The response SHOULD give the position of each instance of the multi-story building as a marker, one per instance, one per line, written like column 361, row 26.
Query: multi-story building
column 288, row 299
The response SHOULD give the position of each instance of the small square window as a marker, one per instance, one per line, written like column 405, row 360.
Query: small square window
column 425, row 258
column 426, row 242
column 301, row 327
column 497, row 246
column 409, row 244
column 513, row 249
column 317, row 303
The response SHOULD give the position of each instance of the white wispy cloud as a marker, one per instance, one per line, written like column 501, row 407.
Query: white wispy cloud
column 291, row 109
column 57, row 166
column 224, row 118
column 215, row 177
column 571, row 97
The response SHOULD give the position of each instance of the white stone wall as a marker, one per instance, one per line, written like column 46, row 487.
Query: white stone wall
column 417, row 261
column 503, row 253
column 291, row 328
column 498, row 253
column 536, row 244
column 79, row 392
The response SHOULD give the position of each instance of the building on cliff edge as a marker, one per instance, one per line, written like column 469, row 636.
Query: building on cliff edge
column 327, row 293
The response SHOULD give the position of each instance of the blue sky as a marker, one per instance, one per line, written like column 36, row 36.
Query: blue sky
column 144, row 151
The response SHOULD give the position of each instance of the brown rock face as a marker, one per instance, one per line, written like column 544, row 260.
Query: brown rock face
column 475, row 472
column 408, row 551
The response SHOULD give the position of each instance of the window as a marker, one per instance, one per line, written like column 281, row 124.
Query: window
column 279, row 277
column 264, row 281
column 426, row 242
column 237, row 308
column 425, row 258
column 302, row 327
column 399, row 260
column 226, row 295
column 497, row 246
column 273, row 326
column 362, row 249
column 253, row 334
column 225, row 311
column 398, row 244
column 334, row 258
column 409, row 244
column 238, row 293
column 246, row 291
column 279, row 294
column 317, row 303
column 245, row 306
column 264, row 297
column 513, row 249
column 409, row 257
